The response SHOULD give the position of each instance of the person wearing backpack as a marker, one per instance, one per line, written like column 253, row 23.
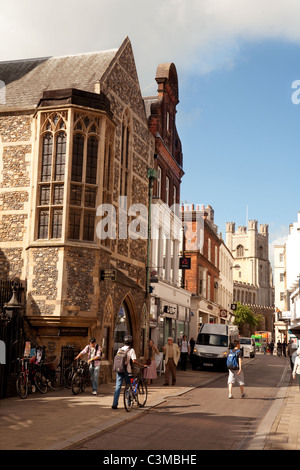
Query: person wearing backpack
column 234, row 365
column 123, row 367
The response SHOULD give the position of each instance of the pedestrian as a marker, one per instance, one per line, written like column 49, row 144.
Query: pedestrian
column 150, row 373
column 172, row 354
column 265, row 347
column 271, row 347
column 235, row 373
column 94, row 353
column 296, row 368
column 121, row 376
column 290, row 350
column 279, row 349
column 192, row 345
column 184, row 351
column 284, row 345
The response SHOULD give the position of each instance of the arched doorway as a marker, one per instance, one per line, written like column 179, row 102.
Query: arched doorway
column 123, row 326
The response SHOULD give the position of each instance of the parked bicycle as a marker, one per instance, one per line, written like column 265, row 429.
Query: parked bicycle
column 55, row 379
column 50, row 375
column 136, row 391
column 37, row 378
column 80, row 378
column 69, row 373
column 22, row 380
column 29, row 375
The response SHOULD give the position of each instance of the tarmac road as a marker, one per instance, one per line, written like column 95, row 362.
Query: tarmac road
column 202, row 418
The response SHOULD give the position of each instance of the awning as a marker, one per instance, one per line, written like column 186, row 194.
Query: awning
column 295, row 329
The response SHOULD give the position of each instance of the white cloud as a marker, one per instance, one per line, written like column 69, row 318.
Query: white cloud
column 197, row 35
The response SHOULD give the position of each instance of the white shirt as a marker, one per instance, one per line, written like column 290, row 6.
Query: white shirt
column 296, row 369
column 130, row 355
column 184, row 346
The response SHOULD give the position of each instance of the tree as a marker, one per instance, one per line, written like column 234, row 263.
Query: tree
column 244, row 314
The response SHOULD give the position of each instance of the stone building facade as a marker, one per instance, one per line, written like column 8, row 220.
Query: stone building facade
column 74, row 136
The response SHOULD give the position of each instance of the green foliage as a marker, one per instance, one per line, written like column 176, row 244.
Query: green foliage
column 244, row 314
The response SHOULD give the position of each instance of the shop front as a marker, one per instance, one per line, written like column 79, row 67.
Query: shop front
column 169, row 314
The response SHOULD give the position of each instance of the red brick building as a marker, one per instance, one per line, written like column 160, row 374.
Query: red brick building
column 169, row 302
column 202, row 245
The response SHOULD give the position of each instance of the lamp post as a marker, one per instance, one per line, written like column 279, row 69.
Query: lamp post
column 12, row 316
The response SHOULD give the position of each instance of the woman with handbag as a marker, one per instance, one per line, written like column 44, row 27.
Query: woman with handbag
column 150, row 373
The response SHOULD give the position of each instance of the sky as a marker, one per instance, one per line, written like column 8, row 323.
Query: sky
column 237, row 62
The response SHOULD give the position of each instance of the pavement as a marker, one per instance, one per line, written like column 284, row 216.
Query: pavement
column 58, row 420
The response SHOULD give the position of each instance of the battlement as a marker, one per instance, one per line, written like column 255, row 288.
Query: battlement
column 264, row 229
column 230, row 227
column 207, row 211
column 252, row 226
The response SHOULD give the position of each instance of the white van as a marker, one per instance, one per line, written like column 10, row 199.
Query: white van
column 212, row 345
column 248, row 346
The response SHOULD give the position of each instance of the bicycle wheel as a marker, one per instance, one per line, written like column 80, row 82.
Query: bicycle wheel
column 76, row 383
column 128, row 398
column 68, row 376
column 22, row 385
column 56, row 380
column 142, row 393
column 83, row 384
column 40, row 382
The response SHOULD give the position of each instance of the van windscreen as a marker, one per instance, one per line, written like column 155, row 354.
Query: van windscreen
column 212, row 340
column 245, row 340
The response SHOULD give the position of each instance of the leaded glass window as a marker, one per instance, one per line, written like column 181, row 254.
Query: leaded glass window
column 51, row 176
column 83, row 188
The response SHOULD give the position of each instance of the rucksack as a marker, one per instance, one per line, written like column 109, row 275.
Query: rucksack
column 120, row 361
column 232, row 359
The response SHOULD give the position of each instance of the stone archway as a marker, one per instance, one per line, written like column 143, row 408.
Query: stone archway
column 126, row 323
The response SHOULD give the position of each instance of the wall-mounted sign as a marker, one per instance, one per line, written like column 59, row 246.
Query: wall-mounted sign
column 73, row 331
column 108, row 275
column 169, row 309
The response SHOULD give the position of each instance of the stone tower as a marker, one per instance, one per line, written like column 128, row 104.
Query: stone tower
column 250, row 249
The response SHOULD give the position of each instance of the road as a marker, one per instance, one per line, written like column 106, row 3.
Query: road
column 202, row 419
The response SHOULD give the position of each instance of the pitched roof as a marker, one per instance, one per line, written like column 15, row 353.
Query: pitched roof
column 25, row 80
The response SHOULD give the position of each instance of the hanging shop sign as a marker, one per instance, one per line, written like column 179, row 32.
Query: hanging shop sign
column 184, row 263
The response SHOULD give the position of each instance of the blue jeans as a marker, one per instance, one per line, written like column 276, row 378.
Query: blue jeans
column 119, row 381
column 94, row 374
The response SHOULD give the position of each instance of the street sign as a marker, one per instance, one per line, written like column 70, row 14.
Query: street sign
column 233, row 307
